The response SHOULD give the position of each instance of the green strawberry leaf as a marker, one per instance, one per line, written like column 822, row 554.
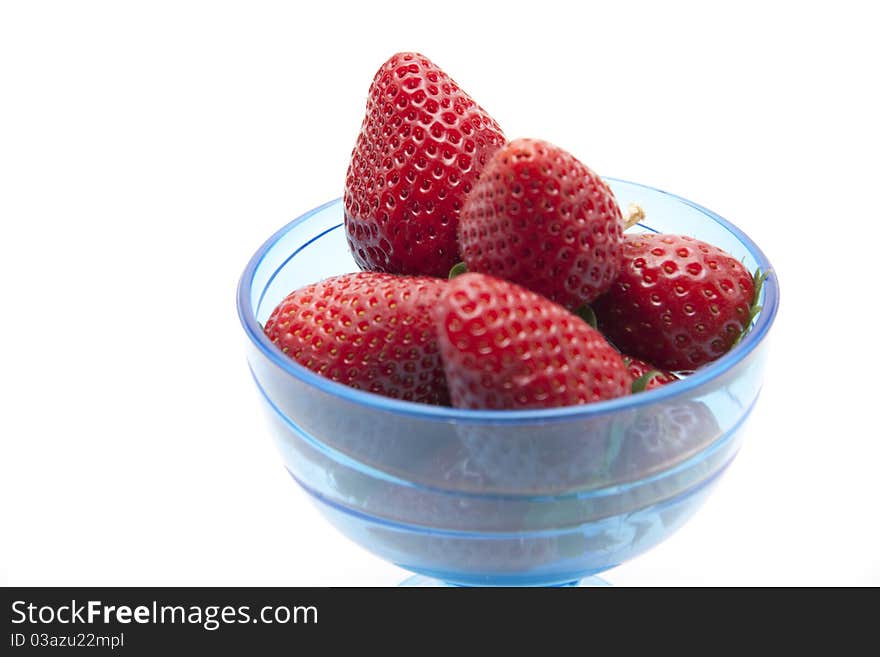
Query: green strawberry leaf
column 613, row 448
column 457, row 270
column 572, row 545
column 640, row 384
column 758, row 279
column 586, row 313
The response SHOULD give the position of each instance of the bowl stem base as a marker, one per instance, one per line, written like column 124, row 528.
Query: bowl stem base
column 431, row 582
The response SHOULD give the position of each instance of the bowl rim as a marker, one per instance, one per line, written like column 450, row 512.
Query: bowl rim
column 373, row 401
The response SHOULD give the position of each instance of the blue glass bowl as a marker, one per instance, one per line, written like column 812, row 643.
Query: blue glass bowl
column 538, row 497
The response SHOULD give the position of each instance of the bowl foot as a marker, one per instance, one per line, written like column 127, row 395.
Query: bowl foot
column 431, row 582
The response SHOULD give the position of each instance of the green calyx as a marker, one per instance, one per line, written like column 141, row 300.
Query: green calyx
column 641, row 384
column 758, row 279
column 586, row 313
column 614, row 447
column 457, row 270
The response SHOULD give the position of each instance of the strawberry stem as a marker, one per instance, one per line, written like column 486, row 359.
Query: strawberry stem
column 634, row 214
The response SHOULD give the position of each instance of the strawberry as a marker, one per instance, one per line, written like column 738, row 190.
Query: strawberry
column 645, row 376
column 543, row 460
column 657, row 437
column 420, row 150
column 541, row 219
column 367, row 330
column 678, row 303
column 505, row 347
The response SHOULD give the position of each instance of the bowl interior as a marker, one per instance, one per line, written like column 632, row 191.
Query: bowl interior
column 513, row 496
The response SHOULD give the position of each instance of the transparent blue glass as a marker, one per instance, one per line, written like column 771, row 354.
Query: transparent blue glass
column 540, row 497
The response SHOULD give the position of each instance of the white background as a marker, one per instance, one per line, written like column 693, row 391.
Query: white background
column 147, row 149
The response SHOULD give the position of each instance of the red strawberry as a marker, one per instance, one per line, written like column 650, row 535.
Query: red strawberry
column 646, row 376
column 505, row 347
column 421, row 147
column 540, row 218
column 660, row 436
column 678, row 302
column 367, row 330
